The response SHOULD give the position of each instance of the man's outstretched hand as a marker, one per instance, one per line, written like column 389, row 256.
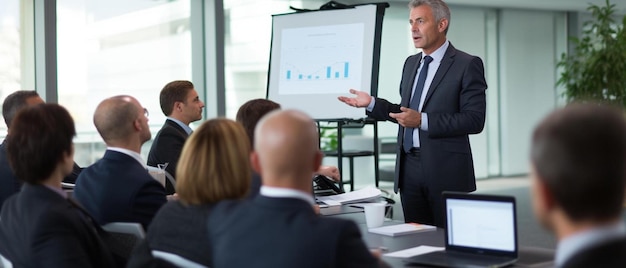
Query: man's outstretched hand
column 362, row 99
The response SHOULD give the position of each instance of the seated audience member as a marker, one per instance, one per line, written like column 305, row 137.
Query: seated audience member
column 39, row 226
column 214, row 166
column 279, row 227
column 9, row 184
column 181, row 104
column 577, row 159
column 249, row 115
column 118, row 188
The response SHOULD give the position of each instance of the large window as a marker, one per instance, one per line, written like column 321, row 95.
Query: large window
column 16, row 41
column 107, row 48
column 248, row 34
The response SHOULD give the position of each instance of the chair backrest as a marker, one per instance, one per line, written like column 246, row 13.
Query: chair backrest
column 161, row 175
column 122, row 238
column 125, row 228
column 4, row 263
column 67, row 185
column 158, row 174
column 176, row 259
column 171, row 179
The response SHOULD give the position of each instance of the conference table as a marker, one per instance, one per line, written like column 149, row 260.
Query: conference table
column 528, row 256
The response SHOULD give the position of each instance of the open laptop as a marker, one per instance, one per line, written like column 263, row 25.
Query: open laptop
column 481, row 231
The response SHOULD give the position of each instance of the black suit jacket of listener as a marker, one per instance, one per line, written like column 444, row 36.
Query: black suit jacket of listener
column 166, row 148
column 608, row 254
column 40, row 228
column 9, row 184
column 117, row 188
column 283, row 232
column 456, row 106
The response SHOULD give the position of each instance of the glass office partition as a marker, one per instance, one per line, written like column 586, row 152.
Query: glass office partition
column 16, row 53
column 107, row 48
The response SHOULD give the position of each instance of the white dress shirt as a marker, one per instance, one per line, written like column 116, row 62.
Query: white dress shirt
column 130, row 153
column 573, row 244
column 181, row 124
column 286, row 193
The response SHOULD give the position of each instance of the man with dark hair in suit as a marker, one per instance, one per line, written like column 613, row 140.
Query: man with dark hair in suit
column 577, row 160
column 118, row 188
column 279, row 227
column 9, row 184
column 181, row 104
column 442, row 101
column 39, row 226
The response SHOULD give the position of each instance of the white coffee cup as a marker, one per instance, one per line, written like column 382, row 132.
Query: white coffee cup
column 374, row 214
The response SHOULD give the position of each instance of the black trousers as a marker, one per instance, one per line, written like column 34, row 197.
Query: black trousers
column 421, row 201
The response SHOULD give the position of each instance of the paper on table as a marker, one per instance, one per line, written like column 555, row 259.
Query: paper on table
column 402, row 229
column 361, row 195
column 410, row 252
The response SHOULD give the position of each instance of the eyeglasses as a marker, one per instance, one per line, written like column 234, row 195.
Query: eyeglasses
column 145, row 112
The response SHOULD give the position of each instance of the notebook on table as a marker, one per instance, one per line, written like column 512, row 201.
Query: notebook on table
column 481, row 231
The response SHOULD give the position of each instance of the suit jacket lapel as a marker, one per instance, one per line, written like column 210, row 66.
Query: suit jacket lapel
column 408, row 88
column 446, row 62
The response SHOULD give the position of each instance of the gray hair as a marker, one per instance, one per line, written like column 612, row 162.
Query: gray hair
column 439, row 7
column 15, row 102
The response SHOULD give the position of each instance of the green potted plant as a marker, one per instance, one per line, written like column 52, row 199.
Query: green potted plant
column 328, row 139
column 596, row 69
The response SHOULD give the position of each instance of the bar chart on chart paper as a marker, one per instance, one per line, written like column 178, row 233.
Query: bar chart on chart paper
column 324, row 59
column 337, row 70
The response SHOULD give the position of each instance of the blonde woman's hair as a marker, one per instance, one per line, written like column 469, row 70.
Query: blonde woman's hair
column 214, row 164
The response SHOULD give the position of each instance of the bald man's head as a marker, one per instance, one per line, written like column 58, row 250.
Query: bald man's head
column 286, row 144
column 121, row 119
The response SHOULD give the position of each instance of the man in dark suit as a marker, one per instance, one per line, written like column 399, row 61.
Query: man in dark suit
column 181, row 104
column 118, row 188
column 279, row 227
column 9, row 184
column 39, row 226
column 443, row 101
column 578, row 176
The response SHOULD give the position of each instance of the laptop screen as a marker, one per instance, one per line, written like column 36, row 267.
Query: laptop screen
column 481, row 222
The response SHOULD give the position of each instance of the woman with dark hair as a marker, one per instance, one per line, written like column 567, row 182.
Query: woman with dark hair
column 40, row 226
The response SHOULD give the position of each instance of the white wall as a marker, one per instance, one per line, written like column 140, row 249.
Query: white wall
column 528, row 54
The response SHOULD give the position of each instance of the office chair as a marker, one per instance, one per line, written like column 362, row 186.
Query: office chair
column 4, row 263
column 122, row 237
column 176, row 259
column 154, row 171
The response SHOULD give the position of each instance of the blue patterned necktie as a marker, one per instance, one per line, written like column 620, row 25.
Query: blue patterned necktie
column 415, row 102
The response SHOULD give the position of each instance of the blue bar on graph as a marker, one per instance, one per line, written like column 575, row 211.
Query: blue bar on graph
column 345, row 69
column 328, row 72
column 288, row 74
column 336, row 74
column 299, row 76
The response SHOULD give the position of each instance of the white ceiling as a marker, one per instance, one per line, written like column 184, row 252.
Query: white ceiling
column 573, row 5
column 561, row 5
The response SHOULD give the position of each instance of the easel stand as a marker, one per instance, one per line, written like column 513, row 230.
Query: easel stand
column 340, row 124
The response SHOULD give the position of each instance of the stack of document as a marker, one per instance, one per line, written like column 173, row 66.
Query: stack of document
column 363, row 195
column 402, row 229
